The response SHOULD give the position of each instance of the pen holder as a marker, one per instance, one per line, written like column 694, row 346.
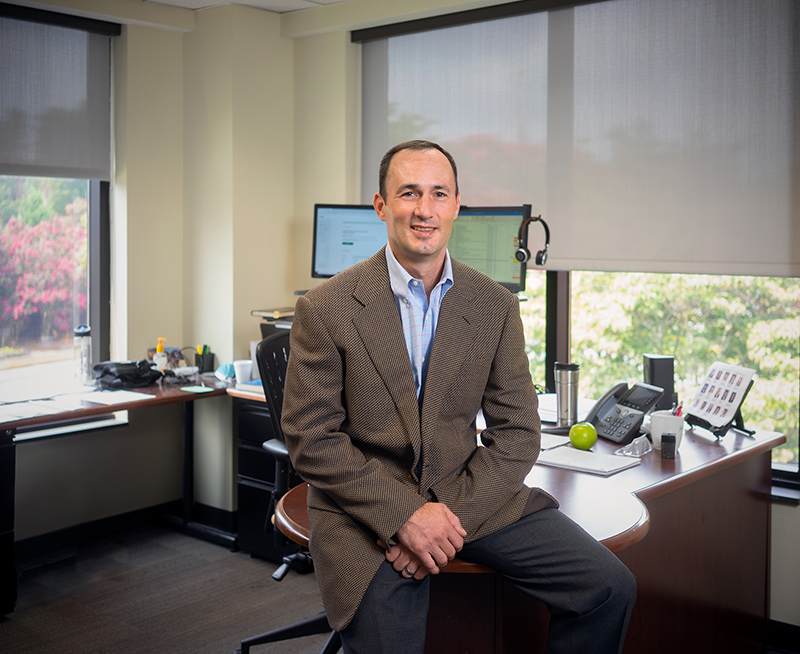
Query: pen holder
column 204, row 362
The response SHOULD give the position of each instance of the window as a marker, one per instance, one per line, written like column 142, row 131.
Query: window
column 55, row 163
column 659, row 140
column 699, row 319
column 44, row 279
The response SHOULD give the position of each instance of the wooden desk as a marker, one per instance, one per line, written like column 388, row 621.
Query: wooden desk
column 694, row 530
column 162, row 395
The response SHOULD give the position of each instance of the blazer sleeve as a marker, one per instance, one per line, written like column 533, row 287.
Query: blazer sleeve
column 372, row 490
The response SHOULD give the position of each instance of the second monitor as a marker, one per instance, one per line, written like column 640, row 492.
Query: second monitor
column 484, row 238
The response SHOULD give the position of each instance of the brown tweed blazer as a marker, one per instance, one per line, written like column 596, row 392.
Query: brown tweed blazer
column 355, row 431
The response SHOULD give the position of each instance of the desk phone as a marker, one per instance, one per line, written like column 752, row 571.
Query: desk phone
column 618, row 415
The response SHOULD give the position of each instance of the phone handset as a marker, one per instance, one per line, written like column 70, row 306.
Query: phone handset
column 605, row 403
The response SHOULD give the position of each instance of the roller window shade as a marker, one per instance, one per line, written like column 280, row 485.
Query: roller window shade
column 653, row 136
column 55, row 101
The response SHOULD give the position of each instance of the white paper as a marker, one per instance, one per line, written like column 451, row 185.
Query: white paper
column 721, row 393
column 115, row 397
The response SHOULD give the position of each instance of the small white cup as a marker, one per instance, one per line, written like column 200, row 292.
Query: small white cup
column 663, row 422
column 242, row 370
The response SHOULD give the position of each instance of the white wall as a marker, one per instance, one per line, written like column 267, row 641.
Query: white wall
column 237, row 189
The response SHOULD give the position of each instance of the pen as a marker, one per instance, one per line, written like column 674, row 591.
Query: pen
column 200, row 349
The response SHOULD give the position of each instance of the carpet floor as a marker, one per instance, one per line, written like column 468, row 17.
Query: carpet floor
column 156, row 590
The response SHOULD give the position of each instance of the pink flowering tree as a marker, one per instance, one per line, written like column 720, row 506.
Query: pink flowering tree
column 43, row 270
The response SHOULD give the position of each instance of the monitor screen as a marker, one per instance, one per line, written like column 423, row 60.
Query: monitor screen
column 484, row 238
column 344, row 234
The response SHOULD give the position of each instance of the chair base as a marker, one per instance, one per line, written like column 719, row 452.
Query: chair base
column 308, row 627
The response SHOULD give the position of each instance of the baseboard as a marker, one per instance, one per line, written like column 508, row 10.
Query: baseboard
column 63, row 543
column 784, row 637
column 218, row 519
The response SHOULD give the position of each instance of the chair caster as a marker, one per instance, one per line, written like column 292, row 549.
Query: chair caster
column 300, row 561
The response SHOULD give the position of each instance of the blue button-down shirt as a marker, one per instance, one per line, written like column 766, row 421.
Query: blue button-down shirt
column 418, row 315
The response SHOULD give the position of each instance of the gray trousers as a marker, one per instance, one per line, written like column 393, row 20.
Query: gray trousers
column 588, row 591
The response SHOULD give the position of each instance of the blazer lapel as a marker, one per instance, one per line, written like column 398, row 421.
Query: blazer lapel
column 381, row 331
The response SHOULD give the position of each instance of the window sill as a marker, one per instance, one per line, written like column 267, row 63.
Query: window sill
column 789, row 496
column 55, row 430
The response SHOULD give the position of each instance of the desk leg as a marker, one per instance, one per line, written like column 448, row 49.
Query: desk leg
column 188, row 462
column 8, row 568
column 186, row 524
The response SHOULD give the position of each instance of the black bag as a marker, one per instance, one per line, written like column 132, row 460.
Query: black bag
column 115, row 375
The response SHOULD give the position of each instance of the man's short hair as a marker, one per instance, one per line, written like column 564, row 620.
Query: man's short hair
column 418, row 144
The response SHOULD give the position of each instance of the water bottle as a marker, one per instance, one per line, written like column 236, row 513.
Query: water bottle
column 566, row 394
column 82, row 353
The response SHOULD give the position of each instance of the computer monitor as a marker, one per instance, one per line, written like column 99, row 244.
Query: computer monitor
column 344, row 234
column 484, row 238
column 487, row 239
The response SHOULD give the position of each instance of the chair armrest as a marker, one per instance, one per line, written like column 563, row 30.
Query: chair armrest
column 276, row 448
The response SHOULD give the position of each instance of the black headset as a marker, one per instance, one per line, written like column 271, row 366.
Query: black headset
column 523, row 254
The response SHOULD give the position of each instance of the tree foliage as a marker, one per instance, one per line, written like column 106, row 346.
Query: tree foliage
column 43, row 258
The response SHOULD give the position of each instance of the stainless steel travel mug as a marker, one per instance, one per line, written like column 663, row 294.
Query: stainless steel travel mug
column 566, row 394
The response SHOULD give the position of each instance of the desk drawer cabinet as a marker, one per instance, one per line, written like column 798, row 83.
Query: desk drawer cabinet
column 256, row 481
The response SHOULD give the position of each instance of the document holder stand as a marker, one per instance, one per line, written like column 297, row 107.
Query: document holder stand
column 737, row 422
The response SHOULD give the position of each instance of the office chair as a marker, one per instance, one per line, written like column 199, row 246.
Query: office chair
column 272, row 355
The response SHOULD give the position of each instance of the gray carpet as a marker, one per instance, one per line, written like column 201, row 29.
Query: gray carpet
column 156, row 590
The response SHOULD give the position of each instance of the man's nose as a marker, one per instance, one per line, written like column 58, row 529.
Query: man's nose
column 424, row 208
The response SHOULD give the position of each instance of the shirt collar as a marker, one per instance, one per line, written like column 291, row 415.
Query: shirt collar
column 400, row 278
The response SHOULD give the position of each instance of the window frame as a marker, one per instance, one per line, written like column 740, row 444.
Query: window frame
column 100, row 269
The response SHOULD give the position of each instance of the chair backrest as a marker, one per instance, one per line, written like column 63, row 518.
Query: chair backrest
column 272, row 355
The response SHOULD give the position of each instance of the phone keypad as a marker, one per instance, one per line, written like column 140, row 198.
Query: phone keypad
column 618, row 423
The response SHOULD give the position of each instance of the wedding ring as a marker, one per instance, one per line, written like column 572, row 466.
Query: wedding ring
column 410, row 574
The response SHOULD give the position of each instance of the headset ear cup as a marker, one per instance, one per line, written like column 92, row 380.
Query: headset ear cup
column 541, row 257
column 522, row 255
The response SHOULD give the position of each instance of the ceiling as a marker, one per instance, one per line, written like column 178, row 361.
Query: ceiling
column 278, row 6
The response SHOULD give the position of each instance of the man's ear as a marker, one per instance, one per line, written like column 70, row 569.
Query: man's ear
column 380, row 206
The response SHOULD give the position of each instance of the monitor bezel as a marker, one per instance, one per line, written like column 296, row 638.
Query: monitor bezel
column 317, row 207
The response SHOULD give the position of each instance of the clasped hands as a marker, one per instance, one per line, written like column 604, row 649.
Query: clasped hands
column 427, row 542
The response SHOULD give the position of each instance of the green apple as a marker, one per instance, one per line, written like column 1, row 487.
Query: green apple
column 583, row 435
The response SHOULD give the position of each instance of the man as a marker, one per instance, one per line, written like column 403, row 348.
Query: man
column 391, row 360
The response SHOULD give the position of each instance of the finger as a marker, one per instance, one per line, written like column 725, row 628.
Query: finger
column 442, row 557
column 453, row 518
column 429, row 563
column 392, row 554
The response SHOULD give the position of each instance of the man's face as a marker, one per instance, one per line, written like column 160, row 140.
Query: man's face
column 420, row 206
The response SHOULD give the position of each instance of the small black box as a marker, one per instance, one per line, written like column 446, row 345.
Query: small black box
column 667, row 446
column 659, row 370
